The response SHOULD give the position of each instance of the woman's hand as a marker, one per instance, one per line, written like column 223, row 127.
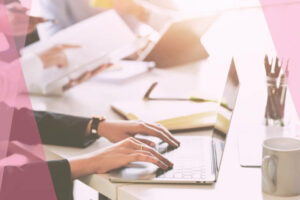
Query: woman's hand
column 116, row 156
column 116, row 131
column 55, row 56
column 21, row 23
column 85, row 76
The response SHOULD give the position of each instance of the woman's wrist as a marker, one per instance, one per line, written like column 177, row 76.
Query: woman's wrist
column 102, row 128
column 88, row 128
column 81, row 167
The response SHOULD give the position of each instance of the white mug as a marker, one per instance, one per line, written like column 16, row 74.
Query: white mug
column 281, row 166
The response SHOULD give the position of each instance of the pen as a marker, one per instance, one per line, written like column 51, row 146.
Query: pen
column 282, row 94
column 20, row 10
column 192, row 98
column 197, row 99
column 273, row 100
column 54, row 21
column 24, row 10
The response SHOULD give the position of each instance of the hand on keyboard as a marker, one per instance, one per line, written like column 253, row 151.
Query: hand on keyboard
column 164, row 147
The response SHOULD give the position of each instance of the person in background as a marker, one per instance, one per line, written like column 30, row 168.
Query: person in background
column 33, row 64
column 15, row 12
column 21, row 24
column 67, row 12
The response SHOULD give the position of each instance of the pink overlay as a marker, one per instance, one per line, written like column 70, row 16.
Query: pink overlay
column 283, row 20
column 24, row 172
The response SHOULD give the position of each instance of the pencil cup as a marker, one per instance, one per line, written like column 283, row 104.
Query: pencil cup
column 275, row 105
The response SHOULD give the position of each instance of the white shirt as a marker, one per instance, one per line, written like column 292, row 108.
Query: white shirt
column 65, row 12
column 32, row 70
column 69, row 12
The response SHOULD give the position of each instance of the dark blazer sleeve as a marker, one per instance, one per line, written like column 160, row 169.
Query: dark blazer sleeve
column 66, row 130
column 30, row 181
column 61, row 178
column 56, row 129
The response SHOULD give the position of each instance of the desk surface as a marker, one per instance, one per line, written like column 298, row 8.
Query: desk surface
column 242, row 34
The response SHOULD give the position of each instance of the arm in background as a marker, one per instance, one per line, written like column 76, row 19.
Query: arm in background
column 55, row 9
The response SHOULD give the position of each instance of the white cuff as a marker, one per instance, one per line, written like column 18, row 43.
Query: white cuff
column 33, row 71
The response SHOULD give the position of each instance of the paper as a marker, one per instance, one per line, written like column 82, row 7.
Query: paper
column 125, row 70
column 103, row 38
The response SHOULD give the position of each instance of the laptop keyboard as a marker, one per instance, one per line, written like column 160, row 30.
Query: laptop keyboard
column 191, row 161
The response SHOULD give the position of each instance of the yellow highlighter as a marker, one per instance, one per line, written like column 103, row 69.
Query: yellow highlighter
column 105, row 4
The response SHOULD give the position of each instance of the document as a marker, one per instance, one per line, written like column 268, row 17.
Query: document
column 103, row 38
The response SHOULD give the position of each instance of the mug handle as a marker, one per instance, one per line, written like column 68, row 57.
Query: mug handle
column 269, row 171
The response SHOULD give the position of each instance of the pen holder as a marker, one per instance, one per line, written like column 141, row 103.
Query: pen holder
column 275, row 106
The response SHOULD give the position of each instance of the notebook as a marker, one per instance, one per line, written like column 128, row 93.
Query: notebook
column 174, row 115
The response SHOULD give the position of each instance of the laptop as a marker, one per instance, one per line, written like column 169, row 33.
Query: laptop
column 198, row 159
column 179, row 42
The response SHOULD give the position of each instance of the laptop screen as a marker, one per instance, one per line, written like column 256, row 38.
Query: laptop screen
column 225, row 112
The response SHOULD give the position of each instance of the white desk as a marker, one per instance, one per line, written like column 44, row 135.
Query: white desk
column 242, row 34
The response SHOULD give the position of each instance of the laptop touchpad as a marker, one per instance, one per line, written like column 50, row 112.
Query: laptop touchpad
column 136, row 171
